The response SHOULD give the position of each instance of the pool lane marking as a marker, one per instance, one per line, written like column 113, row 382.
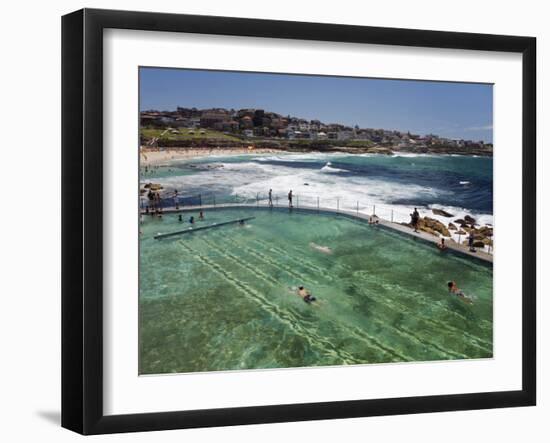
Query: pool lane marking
column 324, row 271
column 473, row 340
column 257, row 272
column 422, row 318
column 364, row 337
column 343, row 355
column 277, row 312
column 422, row 301
column 439, row 305
column 303, row 263
column 267, row 260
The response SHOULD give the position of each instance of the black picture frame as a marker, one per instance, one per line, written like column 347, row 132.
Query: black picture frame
column 82, row 218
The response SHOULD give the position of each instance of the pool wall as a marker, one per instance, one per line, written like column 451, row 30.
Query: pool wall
column 452, row 247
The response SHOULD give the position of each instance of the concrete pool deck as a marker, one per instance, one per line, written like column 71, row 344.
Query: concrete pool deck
column 398, row 227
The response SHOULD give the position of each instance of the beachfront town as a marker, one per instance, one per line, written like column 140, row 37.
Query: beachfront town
column 249, row 125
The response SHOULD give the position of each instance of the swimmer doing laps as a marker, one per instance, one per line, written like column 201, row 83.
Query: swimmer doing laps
column 305, row 294
column 453, row 289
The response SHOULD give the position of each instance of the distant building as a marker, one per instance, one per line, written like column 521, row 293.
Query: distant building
column 214, row 119
column 345, row 135
column 258, row 118
column 246, row 122
column 182, row 122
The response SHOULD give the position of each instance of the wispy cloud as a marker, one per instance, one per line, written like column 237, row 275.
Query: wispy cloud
column 479, row 128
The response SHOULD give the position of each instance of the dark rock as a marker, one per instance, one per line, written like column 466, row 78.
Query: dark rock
column 460, row 221
column 441, row 212
column 452, row 227
column 433, row 226
column 470, row 220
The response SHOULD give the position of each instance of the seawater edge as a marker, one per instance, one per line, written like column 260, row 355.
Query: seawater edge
column 397, row 227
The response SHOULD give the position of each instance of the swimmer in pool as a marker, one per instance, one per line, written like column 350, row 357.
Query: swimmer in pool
column 323, row 249
column 453, row 289
column 305, row 294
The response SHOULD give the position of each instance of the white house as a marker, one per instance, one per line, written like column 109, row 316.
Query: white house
column 321, row 135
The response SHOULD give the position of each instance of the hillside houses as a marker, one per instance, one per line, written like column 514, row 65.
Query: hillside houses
column 250, row 123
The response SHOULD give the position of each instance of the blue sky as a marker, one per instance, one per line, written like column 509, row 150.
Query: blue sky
column 456, row 110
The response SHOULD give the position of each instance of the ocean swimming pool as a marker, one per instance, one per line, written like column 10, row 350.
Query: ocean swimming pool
column 223, row 299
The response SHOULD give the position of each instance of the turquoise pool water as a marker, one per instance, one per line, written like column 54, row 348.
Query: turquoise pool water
column 222, row 299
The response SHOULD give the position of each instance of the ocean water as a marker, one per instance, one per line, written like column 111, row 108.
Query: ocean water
column 224, row 298
column 393, row 185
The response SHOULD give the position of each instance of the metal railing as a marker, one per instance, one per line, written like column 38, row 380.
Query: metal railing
column 176, row 200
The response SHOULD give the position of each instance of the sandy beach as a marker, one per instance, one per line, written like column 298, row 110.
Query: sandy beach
column 149, row 156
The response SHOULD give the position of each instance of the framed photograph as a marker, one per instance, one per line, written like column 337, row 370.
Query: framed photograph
column 269, row 221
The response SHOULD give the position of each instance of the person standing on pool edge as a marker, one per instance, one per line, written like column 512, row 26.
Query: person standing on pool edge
column 415, row 216
column 471, row 239
column 290, row 199
column 270, row 196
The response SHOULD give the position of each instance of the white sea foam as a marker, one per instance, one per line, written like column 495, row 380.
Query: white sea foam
column 356, row 193
column 310, row 156
column 415, row 154
column 328, row 168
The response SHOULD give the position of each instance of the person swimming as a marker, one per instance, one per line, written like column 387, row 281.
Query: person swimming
column 192, row 220
column 454, row 289
column 373, row 220
column 323, row 249
column 442, row 246
column 306, row 295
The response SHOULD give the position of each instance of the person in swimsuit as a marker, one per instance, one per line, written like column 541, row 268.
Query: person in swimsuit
column 305, row 294
column 415, row 217
column 453, row 289
column 442, row 246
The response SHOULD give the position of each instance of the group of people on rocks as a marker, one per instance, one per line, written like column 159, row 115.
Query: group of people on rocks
column 415, row 220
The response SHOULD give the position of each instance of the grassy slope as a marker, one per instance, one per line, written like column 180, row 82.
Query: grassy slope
column 149, row 133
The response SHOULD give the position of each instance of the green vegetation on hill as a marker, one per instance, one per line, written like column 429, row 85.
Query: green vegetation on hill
column 185, row 134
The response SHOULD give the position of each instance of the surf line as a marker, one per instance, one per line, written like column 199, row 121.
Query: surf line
column 202, row 228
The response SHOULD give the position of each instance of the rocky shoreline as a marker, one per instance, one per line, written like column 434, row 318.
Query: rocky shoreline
column 483, row 235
